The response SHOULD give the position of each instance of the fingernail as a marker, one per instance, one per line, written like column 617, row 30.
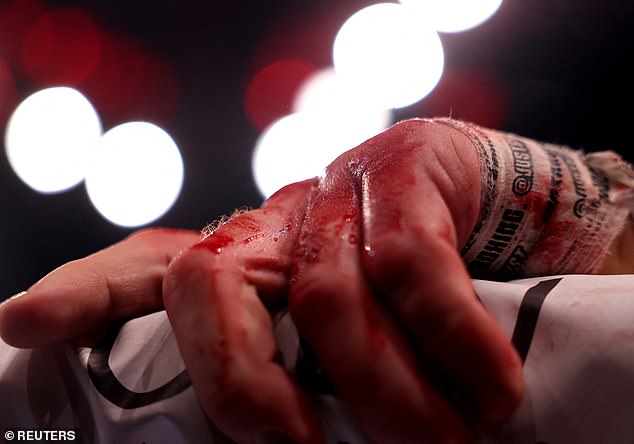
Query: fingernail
column 272, row 437
column 15, row 296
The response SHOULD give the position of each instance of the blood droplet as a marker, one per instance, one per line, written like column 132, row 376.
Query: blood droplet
column 215, row 243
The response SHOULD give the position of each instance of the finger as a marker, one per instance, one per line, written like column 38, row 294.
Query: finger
column 358, row 347
column 412, row 258
column 121, row 281
column 224, row 331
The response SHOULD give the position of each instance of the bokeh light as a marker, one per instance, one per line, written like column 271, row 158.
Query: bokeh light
column 16, row 20
column 452, row 15
column 288, row 151
column 307, row 36
column 49, row 136
column 299, row 146
column 63, row 47
column 8, row 93
column 384, row 53
column 476, row 96
column 135, row 174
column 131, row 83
column 327, row 121
column 326, row 97
column 270, row 92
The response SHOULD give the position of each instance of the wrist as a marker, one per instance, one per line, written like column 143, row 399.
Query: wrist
column 547, row 209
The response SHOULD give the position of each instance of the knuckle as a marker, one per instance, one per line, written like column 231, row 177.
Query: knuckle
column 409, row 124
column 152, row 233
column 411, row 129
column 168, row 240
column 396, row 145
column 191, row 267
column 144, row 232
column 339, row 166
column 143, row 238
column 291, row 191
column 183, row 263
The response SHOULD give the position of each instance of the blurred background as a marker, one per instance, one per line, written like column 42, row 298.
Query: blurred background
column 124, row 114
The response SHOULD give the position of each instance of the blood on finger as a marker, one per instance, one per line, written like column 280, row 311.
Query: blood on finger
column 215, row 243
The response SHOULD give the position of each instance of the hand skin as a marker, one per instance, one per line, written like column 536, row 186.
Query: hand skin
column 360, row 257
column 620, row 256
column 82, row 296
column 380, row 223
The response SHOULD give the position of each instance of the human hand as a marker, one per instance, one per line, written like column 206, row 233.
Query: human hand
column 366, row 258
column 380, row 230
column 81, row 297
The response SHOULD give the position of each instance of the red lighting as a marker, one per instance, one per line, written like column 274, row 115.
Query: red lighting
column 305, row 32
column 8, row 93
column 469, row 95
column 62, row 48
column 69, row 47
column 132, row 84
column 16, row 20
column 269, row 95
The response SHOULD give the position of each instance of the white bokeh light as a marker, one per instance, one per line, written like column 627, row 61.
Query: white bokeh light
column 49, row 136
column 453, row 15
column 323, row 93
column 297, row 147
column 135, row 174
column 327, row 121
column 384, row 53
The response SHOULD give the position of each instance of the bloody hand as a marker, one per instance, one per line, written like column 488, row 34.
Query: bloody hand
column 366, row 259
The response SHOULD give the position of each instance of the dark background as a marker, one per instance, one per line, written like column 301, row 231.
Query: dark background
column 555, row 70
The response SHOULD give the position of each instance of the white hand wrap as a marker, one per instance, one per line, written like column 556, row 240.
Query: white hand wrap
column 545, row 209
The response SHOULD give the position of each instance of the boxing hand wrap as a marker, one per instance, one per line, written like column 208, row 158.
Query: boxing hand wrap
column 545, row 209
